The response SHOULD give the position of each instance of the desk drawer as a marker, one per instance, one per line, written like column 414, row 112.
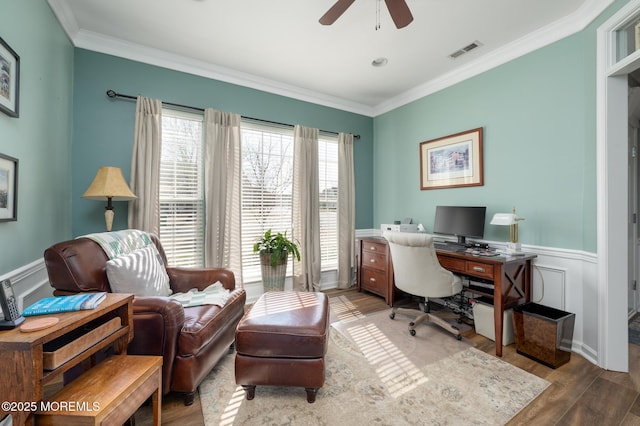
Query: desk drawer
column 374, row 281
column 374, row 247
column 479, row 269
column 374, row 260
column 452, row 264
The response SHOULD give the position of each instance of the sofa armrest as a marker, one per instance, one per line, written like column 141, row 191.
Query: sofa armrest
column 157, row 324
column 182, row 280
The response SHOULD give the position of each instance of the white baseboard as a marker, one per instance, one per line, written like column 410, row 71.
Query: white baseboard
column 563, row 279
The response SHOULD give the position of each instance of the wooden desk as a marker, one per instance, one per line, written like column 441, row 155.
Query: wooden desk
column 511, row 276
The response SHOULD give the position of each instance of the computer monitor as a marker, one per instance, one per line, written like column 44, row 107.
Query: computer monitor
column 460, row 221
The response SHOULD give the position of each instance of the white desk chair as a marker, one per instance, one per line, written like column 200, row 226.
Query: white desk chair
column 418, row 272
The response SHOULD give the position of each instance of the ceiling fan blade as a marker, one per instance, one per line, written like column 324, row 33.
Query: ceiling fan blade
column 399, row 12
column 335, row 12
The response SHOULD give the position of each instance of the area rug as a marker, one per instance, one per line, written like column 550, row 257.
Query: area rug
column 376, row 373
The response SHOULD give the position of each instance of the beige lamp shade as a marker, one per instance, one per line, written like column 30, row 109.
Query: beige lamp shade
column 109, row 183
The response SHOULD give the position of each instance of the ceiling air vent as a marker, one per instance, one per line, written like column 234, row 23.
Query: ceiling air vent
column 465, row 49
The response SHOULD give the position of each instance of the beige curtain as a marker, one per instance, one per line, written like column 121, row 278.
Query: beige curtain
column 306, row 221
column 346, row 211
column 144, row 212
column 222, row 191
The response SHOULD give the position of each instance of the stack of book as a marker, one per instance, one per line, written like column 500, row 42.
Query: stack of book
column 54, row 305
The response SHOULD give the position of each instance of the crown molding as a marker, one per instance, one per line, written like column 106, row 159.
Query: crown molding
column 66, row 18
column 551, row 33
column 135, row 52
column 117, row 47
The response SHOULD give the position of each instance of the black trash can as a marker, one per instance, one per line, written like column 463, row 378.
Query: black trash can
column 543, row 333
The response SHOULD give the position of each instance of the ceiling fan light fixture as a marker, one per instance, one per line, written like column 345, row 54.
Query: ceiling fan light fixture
column 398, row 9
column 379, row 62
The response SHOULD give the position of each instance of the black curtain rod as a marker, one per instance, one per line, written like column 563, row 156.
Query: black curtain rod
column 114, row 94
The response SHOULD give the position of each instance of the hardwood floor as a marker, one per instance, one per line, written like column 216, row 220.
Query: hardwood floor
column 580, row 392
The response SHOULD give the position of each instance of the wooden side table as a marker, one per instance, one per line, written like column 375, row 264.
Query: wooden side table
column 29, row 361
column 108, row 394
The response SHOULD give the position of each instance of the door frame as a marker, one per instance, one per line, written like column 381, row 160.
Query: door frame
column 612, row 190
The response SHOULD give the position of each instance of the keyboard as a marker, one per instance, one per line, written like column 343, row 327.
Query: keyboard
column 449, row 246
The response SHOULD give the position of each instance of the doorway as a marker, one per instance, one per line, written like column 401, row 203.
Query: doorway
column 634, row 129
column 634, row 237
column 616, row 60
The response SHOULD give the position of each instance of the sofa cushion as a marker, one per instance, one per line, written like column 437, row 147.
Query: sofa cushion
column 141, row 273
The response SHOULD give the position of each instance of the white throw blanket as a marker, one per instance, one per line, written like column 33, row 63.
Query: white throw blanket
column 118, row 243
column 215, row 294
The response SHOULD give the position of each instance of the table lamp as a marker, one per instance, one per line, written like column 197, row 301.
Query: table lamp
column 109, row 183
column 510, row 219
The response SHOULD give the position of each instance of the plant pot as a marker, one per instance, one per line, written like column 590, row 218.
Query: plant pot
column 272, row 276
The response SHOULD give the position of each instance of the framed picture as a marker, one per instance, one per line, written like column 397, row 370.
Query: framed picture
column 9, row 80
column 452, row 161
column 8, row 188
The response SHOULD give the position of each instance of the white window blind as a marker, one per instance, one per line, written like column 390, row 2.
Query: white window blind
column 181, row 188
column 267, row 184
column 328, row 171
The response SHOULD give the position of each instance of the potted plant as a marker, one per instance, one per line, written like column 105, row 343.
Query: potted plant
column 274, row 249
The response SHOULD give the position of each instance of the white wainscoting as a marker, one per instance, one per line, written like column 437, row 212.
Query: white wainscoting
column 563, row 279
column 566, row 280
column 30, row 283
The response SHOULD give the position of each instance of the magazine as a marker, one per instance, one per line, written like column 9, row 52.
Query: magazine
column 76, row 302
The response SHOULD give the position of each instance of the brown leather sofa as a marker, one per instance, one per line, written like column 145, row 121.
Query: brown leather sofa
column 190, row 340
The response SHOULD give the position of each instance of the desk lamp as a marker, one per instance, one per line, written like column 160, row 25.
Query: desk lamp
column 510, row 219
column 110, row 184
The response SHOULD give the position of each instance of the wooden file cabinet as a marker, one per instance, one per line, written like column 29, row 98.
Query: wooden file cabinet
column 375, row 273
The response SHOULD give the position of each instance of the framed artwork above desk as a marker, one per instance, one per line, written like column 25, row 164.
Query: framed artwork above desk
column 510, row 275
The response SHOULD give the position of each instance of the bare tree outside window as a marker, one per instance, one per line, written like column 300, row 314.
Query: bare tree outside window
column 267, row 184
column 181, row 189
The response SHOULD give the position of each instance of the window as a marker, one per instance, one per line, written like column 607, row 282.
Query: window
column 328, row 159
column 267, row 187
column 267, row 184
column 181, row 188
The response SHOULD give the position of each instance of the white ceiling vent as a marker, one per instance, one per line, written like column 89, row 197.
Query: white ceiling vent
column 465, row 49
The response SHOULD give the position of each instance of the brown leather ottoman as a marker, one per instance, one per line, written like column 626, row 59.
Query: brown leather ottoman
column 282, row 341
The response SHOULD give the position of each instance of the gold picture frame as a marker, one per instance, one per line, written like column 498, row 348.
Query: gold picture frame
column 452, row 161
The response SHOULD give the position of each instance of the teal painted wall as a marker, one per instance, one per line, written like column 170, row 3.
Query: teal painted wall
column 41, row 137
column 103, row 128
column 538, row 116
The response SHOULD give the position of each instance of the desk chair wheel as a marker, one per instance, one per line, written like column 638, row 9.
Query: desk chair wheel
column 458, row 337
column 412, row 332
column 392, row 315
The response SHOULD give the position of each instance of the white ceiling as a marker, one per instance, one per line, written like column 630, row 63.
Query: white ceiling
column 279, row 46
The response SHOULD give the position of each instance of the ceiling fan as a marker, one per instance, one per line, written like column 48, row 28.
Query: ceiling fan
column 398, row 9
